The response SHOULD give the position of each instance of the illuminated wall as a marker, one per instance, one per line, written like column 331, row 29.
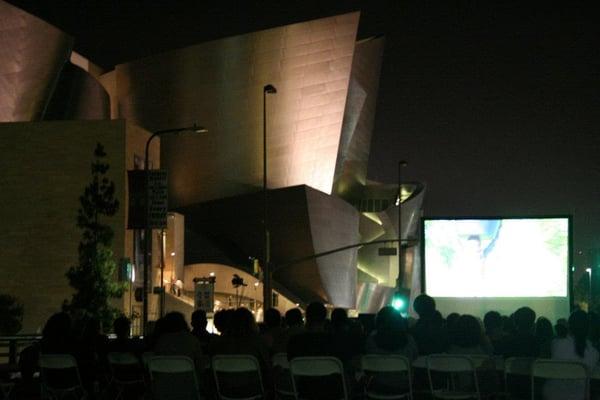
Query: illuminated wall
column 219, row 84
column 359, row 118
column 41, row 183
column 32, row 54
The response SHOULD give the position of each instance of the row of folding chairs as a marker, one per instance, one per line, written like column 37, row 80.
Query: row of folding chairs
column 175, row 377
column 459, row 376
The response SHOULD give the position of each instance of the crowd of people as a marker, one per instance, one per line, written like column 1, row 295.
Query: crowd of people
column 314, row 334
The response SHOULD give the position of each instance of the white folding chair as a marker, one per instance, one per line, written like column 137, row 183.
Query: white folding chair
column 126, row 372
column 282, row 377
column 60, row 377
column 395, row 367
column 146, row 356
column 563, row 371
column 457, row 369
column 517, row 373
column 238, row 377
column 317, row 367
column 173, row 378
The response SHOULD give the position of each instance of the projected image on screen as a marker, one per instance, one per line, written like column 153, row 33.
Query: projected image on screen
column 496, row 257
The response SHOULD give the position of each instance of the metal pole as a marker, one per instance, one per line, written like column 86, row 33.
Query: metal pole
column 400, row 255
column 147, row 237
column 162, row 272
column 267, row 296
column 589, row 270
column 148, row 230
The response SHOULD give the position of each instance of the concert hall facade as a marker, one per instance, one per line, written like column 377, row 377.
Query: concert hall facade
column 56, row 104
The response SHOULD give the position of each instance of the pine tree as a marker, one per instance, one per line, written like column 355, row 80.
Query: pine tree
column 94, row 277
column 11, row 315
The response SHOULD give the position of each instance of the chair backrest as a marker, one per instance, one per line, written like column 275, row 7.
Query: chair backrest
column 461, row 367
column 518, row 366
column 57, row 361
column 173, row 378
column 122, row 359
column 517, row 376
column 482, row 361
column 450, row 363
column 237, row 376
column 384, row 363
column 388, row 366
column 59, row 372
column 282, row 377
column 558, row 369
column 281, row 360
column 317, row 367
column 146, row 356
column 125, row 368
column 561, row 370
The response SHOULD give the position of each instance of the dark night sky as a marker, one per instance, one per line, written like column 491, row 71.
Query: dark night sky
column 494, row 104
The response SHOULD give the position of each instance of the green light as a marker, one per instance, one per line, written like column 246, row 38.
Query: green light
column 398, row 303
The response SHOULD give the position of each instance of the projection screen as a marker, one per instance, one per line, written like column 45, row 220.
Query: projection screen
column 473, row 265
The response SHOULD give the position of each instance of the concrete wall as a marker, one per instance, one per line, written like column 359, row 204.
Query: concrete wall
column 45, row 167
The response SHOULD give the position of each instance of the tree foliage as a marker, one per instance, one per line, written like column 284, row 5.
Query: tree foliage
column 94, row 277
column 11, row 315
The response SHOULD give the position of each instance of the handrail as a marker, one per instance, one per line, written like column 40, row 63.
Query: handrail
column 13, row 341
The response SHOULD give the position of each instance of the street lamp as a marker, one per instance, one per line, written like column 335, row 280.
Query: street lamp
column 589, row 271
column 401, row 164
column 148, row 230
column 268, row 89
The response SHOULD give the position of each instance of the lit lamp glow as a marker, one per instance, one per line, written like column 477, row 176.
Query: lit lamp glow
column 398, row 304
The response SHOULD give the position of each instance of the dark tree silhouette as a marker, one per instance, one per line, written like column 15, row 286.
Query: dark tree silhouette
column 94, row 278
column 11, row 315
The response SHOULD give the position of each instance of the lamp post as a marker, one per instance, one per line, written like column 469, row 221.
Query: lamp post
column 267, row 300
column 148, row 230
column 401, row 164
column 589, row 271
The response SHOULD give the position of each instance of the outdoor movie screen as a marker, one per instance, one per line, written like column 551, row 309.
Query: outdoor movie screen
column 511, row 257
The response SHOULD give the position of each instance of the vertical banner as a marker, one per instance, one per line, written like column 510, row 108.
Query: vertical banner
column 158, row 196
column 153, row 190
column 204, row 294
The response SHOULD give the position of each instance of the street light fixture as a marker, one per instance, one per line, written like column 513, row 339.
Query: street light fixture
column 148, row 230
column 267, row 89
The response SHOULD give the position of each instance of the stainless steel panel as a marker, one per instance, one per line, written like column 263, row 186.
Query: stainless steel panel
column 77, row 96
column 32, row 54
column 359, row 118
column 219, row 85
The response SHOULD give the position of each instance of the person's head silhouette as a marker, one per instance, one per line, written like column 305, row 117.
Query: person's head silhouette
column 524, row 319
column 424, row 305
column 316, row 315
column 293, row 317
column 272, row 318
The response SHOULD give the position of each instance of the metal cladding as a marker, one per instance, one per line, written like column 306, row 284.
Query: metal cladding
column 305, row 223
column 78, row 95
column 32, row 54
column 220, row 84
column 359, row 118
column 381, row 223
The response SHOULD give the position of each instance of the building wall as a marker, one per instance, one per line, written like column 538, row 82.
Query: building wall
column 219, row 85
column 45, row 167
column 359, row 119
column 32, row 54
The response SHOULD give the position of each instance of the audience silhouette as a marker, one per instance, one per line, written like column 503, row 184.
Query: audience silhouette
column 517, row 335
